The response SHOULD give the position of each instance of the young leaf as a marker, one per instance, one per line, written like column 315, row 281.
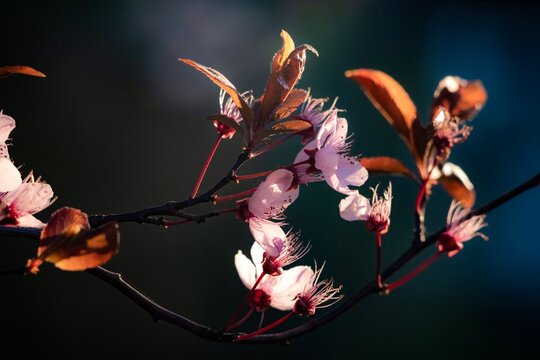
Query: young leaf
column 460, row 97
column 5, row 71
column 283, row 53
column 285, row 72
column 388, row 96
column 69, row 243
column 291, row 126
column 220, row 80
column 455, row 181
column 87, row 249
column 387, row 165
column 293, row 101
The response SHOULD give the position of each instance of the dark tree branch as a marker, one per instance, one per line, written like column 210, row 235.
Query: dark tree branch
column 159, row 313
column 154, row 215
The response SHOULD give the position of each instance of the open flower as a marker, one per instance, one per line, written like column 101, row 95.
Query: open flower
column 315, row 293
column 10, row 177
column 448, row 131
column 328, row 155
column 459, row 229
column 376, row 214
column 274, row 195
column 30, row 197
column 278, row 292
column 312, row 112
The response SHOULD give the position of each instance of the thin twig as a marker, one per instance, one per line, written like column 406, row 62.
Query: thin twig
column 161, row 313
column 158, row 312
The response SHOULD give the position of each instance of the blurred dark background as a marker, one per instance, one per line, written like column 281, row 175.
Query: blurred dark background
column 118, row 124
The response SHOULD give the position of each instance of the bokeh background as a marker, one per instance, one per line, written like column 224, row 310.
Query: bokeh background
column 119, row 124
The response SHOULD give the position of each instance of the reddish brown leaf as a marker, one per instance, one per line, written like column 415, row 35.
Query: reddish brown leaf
column 18, row 69
column 388, row 96
column 386, row 165
column 88, row 249
column 65, row 221
column 282, row 80
column 457, row 184
column 283, row 53
column 69, row 243
column 220, row 80
column 460, row 97
column 293, row 101
column 291, row 126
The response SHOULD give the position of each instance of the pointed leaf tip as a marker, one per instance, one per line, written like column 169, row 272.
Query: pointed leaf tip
column 19, row 69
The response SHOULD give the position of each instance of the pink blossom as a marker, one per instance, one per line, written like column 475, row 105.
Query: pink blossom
column 229, row 109
column 29, row 198
column 376, row 214
column 280, row 249
column 276, row 291
column 274, row 195
column 327, row 156
column 10, row 177
column 312, row 111
column 315, row 293
column 448, row 131
column 459, row 229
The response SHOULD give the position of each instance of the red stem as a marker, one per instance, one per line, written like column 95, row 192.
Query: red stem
column 205, row 167
column 253, row 176
column 266, row 328
column 242, row 304
column 412, row 274
column 241, row 321
column 235, row 196
column 379, row 260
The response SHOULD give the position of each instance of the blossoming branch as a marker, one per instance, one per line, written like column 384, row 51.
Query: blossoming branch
column 282, row 113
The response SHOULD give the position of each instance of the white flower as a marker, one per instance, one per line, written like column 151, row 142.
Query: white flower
column 459, row 230
column 327, row 154
column 10, row 177
column 376, row 214
column 274, row 195
column 276, row 291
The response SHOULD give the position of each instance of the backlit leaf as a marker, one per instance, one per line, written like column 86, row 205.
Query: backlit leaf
column 460, row 97
column 386, row 165
column 220, row 80
column 293, row 101
column 24, row 70
column 69, row 243
column 281, row 56
column 455, row 181
column 388, row 96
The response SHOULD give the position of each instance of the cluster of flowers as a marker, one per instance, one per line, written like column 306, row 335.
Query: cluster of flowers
column 20, row 198
column 324, row 157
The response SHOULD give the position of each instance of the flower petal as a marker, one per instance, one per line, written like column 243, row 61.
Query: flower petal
column 245, row 269
column 291, row 283
column 6, row 125
column 274, row 195
column 354, row 207
column 264, row 232
column 10, row 177
column 351, row 171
